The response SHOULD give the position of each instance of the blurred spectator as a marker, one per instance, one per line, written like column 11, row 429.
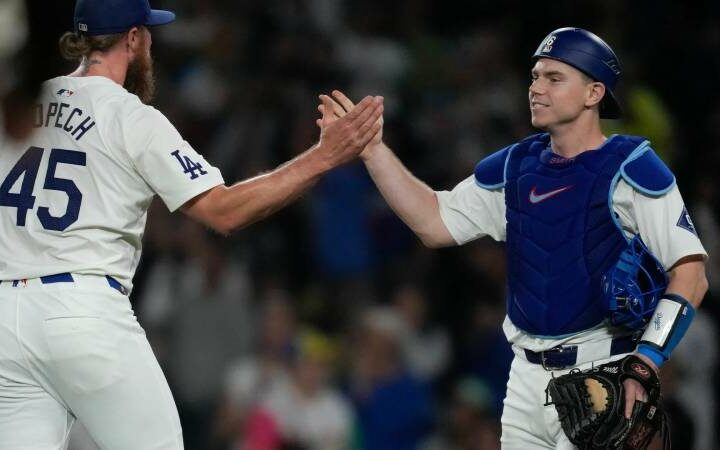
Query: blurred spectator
column 340, row 225
column 484, row 351
column 29, row 30
column 205, row 294
column 426, row 346
column 487, row 352
column 645, row 114
column 707, row 220
column 469, row 422
column 14, row 26
column 370, row 50
column 395, row 410
column 695, row 358
column 459, row 129
column 248, row 380
column 305, row 412
column 683, row 431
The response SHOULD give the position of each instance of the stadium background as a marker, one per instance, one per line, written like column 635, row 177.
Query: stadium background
column 329, row 326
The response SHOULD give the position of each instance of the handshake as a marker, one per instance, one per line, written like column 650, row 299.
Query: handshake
column 347, row 130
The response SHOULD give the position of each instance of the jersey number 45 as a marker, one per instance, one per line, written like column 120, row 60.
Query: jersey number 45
column 27, row 167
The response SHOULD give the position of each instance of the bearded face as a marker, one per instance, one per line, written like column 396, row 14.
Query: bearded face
column 140, row 78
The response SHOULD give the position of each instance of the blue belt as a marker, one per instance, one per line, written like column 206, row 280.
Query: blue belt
column 562, row 357
column 68, row 278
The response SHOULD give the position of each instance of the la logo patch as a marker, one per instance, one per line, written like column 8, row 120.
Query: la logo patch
column 189, row 166
column 548, row 44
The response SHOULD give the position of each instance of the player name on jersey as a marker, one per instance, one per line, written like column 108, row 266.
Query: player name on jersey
column 65, row 116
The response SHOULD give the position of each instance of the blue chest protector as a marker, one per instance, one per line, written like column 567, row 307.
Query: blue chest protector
column 562, row 234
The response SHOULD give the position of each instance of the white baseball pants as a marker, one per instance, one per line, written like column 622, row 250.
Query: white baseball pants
column 75, row 350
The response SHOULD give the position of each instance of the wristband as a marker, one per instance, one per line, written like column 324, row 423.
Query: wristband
column 666, row 328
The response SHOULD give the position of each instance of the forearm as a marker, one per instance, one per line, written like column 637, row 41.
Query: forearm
column 230, row 208
column 411, row 199
column 687, row 278
column 675, row 311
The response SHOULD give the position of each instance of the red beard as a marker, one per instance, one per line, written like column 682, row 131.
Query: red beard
column 140, row 78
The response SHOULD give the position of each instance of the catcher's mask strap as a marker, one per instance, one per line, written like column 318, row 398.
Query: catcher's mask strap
column 668, row 325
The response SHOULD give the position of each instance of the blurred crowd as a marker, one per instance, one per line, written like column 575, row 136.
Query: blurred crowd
column 329, row 326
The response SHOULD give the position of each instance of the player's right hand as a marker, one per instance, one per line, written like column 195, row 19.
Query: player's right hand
column 336, row 107
column 343, row 138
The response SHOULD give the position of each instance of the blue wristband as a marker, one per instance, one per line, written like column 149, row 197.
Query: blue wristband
column 654, row 355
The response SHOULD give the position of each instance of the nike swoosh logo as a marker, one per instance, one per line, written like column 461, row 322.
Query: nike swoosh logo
column 537, row 198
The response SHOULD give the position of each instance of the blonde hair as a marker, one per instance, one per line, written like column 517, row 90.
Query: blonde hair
column 77, row 47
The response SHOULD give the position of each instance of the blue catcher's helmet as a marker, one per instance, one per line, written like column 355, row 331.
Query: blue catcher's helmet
column 633, row 286
column 588, row 53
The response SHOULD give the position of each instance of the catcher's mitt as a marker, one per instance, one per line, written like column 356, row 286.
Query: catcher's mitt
column 591, row 406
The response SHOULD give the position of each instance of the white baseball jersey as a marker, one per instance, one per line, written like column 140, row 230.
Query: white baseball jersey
column 470, row 212
column 74, row 196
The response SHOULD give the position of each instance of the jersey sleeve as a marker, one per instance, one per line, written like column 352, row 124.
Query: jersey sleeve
column 470, row 211
column 662, row 221
column 167, row 163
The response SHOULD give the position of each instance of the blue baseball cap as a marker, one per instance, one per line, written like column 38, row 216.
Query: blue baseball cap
column 96, row 17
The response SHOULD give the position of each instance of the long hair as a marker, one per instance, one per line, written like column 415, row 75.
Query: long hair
column 77, row 47
column 139, row 79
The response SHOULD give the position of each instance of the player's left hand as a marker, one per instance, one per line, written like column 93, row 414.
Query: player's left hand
column 592, row 405
column 341, row 104
column 634, row 390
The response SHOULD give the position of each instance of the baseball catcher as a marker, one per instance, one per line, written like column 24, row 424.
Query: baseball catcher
column 583, row 289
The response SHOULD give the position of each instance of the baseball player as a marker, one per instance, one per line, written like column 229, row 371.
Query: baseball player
column 73, row 204
column 568, row 202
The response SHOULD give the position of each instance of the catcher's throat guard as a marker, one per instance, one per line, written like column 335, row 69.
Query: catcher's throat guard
column 633, row 286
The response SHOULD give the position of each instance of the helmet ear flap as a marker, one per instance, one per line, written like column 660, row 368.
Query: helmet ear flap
column 633, row 287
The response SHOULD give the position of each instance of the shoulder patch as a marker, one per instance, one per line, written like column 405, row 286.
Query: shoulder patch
column 647, row 173
column 490, row 171
column 686, row 222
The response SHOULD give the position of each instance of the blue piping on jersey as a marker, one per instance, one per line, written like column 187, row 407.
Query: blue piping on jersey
column 507, row 158
column 635, row 154
column 613, row 216
column 491, row 187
